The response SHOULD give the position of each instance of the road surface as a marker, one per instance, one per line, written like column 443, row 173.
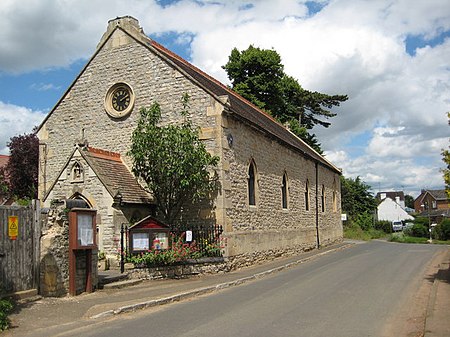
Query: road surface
column 360, row 291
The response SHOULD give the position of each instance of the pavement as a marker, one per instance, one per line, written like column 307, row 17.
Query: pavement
column 437, row 321
column 54, row 316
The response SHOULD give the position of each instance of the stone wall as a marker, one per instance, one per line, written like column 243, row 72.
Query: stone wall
column 188, row 269
column 252, row 231
column 267, row 227
column 54, row 266
column 152, row 80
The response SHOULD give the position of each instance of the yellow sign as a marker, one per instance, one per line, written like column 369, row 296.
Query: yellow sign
column 13, row 227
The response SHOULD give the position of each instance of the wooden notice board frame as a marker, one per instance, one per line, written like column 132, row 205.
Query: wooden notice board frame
column 82, row 240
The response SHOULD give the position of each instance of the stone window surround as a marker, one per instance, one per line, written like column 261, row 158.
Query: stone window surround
column 322, row 198
column 77, row 172
column 334, row 196
column 252, row 184
column 284, row 192
column 307, row 195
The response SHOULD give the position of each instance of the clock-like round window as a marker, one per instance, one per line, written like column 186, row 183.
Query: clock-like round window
column 119, row 100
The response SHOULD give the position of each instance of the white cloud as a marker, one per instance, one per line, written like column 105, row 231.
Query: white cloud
column 350, row 47
column 16, row 120
column 44, row 86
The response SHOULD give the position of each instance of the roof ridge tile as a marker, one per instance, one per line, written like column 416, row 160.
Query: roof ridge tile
column 104, row 154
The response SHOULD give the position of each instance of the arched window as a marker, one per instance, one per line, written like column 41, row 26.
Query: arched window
column 322, row 198
column 82, row 201
column 307, row 195
column 334, row 197
column 284, row 192
column 77, row 172
column 252, row 184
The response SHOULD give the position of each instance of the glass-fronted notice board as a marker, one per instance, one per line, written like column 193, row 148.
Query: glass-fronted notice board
column 85, row 230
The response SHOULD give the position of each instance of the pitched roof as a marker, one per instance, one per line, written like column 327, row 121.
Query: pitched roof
column 115, row 175
column 391, row 195
column 242, row 108
column 438, row 194
column 237, row 105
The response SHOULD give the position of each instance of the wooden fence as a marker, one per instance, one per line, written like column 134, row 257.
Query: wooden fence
column 20, row 231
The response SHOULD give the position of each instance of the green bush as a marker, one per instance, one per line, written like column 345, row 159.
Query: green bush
column 422, row 220
column 354, row 232
column 5, row 308
column 364, row 221
column 418, row 231
column 385, row 226
column 178, row 252
column 442, row 230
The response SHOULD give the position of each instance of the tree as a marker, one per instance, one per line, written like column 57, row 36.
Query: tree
column 22, row 168
column 172, row 161
column 258, row 75
column 356, row 197
column 409, row 201
column 446, row 171
column 4, row 185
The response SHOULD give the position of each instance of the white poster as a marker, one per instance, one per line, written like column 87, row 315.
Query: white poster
column 140, row 241
column 85, row 230
column 188, row 236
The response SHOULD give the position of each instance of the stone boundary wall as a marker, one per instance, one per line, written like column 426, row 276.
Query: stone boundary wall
column 54, row 263
column 214, row 265
column 190, row 268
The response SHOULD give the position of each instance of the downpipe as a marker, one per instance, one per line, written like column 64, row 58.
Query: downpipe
column 317, row 204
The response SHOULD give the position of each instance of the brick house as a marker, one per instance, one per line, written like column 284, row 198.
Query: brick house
column 433, row 203
column 277, row 195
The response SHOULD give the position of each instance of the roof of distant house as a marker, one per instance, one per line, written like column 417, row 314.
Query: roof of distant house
column 3, row 160
column 438, row 194
column 391, row 195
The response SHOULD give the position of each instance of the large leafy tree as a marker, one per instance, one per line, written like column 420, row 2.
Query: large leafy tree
column 172, row 161
column 22, row 168
column 258, row 75
column 356, row 197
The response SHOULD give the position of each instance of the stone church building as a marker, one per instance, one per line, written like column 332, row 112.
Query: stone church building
column 276, row 196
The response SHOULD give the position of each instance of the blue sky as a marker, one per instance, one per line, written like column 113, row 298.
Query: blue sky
column 391, row 57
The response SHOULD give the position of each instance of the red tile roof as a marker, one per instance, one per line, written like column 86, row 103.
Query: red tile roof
column 115, row 176
column 3, row 160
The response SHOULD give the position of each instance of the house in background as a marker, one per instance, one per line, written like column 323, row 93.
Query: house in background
column 433, row 204
column 392, row 207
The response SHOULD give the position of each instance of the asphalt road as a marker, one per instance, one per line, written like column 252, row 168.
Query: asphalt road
column 353, row 292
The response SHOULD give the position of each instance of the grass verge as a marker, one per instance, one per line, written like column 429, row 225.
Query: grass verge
column 356, row 233
column 402, row 238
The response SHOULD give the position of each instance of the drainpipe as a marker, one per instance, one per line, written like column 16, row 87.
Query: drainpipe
column 317, row 204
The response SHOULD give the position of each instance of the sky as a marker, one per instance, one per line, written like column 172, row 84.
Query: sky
column 391, row 57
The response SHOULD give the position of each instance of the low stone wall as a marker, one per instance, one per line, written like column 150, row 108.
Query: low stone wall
column 213, row 265
column 189, row 268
